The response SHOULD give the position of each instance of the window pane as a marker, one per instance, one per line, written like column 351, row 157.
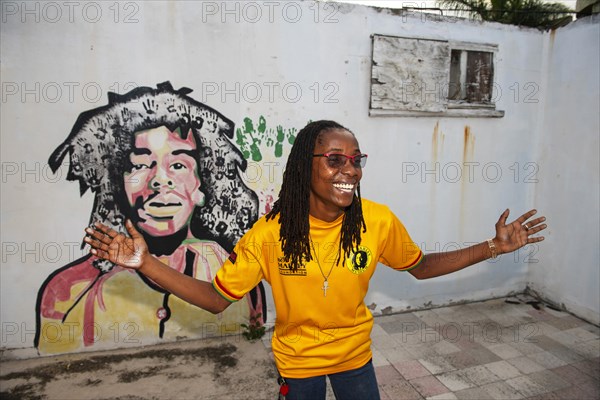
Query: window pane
column 480, row 77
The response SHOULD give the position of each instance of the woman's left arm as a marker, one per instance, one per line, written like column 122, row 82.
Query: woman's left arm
column 509, row 237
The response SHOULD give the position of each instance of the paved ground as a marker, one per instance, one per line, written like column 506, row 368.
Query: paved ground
column 498, row 349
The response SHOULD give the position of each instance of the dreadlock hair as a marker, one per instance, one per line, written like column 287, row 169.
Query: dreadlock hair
column 293, row 203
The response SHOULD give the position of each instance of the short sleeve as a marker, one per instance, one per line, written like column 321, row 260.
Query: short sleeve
column 399, row 251
column 241, row 272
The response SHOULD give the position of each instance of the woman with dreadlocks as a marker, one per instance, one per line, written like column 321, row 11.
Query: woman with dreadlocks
column 318, row 249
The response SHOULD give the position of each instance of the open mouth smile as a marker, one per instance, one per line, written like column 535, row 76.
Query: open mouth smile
column 344, row 187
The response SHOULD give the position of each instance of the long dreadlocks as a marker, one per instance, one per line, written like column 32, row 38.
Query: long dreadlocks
column 293, row 203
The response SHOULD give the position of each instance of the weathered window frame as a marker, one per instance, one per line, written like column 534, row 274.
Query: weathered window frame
column 410, row 76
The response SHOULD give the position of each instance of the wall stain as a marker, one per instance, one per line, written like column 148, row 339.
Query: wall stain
column 468, row 152
column 437, row 142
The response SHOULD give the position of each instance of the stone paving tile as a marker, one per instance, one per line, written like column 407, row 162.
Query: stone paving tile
column 567, row 355
column 547, row 360
column 503, row 369
column 547, row 343
column 592, row 328
column 582, row 334
column 428, row 317
column 589, row 367
column 444, row 347
column 379, row 359
column 455, row 380
column 570, row 393
column 482, row 355
column 525, row 365
column 416, row 338
column 480, row 375
column 567, row 322
column 461, row 360
column 443, row 396
column 526, row 386
column 549, row 380
column 397, row 354
column 504, row 351
column 387, row 374
column 428, row 386
column 400, row 389
column 571, row 374
column 377, row 329
column 589, row 349
column 414, row 369
column 475, row 393
column 464, row 342
column 526, row 348
column 502, row 319
column 383, row 342
column 591, row 390
column 421, row 351
column 402, row 326
column 406, row 322
column 501, row 391
column 544, row 328
column 437, row 364
column 541, row 314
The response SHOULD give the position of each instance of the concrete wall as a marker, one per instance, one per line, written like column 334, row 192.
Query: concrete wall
column 568, row 190
column 448, row 179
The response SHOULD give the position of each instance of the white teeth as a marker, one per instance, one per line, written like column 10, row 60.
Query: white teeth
column 343, row 186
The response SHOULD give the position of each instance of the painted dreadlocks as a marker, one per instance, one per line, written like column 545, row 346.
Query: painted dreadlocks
column 293, row 203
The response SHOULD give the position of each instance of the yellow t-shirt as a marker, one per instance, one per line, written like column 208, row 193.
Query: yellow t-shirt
column 319, row 331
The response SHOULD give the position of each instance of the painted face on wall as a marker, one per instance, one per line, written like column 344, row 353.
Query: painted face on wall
column 163, row 186
column 332, row 188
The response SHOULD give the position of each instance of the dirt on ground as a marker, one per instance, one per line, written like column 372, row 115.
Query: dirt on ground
column 208, row 369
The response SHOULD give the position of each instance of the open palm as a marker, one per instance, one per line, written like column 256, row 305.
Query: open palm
column 106, row 243
column 513, row 236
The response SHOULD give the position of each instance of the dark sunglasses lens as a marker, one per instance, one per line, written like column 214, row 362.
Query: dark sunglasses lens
column 360, row 161
column 336, row 160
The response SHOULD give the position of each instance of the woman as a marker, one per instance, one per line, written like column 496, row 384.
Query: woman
column 318, row 248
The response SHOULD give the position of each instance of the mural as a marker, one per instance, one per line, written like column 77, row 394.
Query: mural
column 168, row 163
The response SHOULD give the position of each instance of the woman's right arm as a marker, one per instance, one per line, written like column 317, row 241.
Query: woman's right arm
column 132, row 252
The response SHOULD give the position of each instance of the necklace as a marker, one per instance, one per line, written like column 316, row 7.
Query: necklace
column 325, row 278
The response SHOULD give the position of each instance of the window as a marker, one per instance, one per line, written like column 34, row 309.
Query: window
column 427, row 77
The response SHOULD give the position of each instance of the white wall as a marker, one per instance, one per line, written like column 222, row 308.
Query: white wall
column 328, row 48
column 568, row 190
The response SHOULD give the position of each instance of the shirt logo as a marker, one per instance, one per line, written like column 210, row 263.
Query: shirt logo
column 284, row 268
column 359, row 260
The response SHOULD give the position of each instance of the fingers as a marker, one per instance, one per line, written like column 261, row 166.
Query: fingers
column 526, row 216
column 504, row 217
column 101, row 232
column 131, row 229
column 95, row 243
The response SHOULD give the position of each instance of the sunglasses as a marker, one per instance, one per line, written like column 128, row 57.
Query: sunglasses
column 338, row 160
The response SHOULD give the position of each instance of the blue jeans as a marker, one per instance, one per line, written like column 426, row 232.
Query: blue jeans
column 356, row 384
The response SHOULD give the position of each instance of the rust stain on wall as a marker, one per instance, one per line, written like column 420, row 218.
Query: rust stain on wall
column 468, row 151
column 437, row 142
column 468, row 145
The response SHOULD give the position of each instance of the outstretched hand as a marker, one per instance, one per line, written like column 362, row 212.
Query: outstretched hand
column 106, row 243
column 513, row 236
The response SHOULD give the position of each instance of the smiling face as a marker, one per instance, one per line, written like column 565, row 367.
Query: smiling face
column 163, row 185
column 332, row 189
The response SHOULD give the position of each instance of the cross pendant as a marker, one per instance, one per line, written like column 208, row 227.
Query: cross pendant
column 325, row 287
